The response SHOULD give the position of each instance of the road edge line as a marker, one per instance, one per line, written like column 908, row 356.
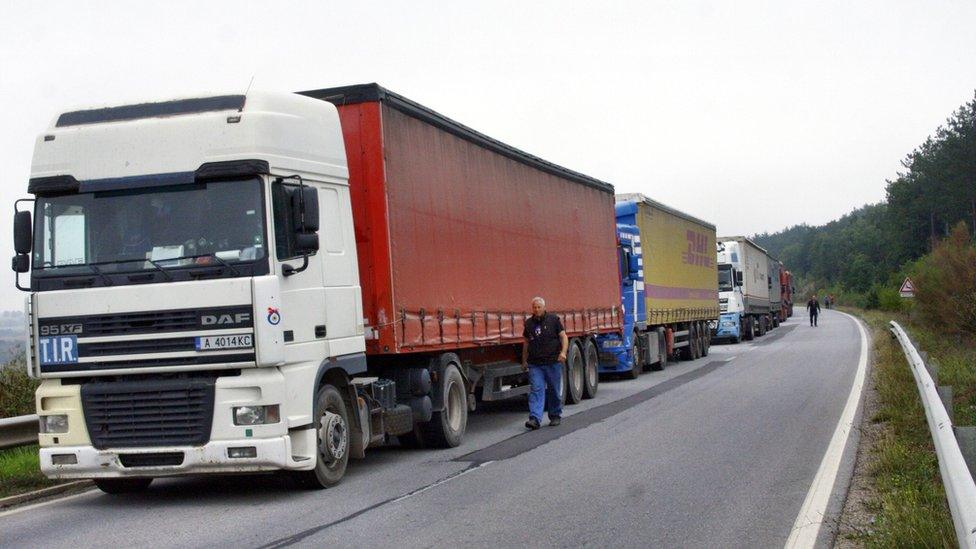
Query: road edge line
column 806, row 527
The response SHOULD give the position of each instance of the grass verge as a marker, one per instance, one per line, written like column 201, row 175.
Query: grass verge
column 20, row 471
column 908, row 503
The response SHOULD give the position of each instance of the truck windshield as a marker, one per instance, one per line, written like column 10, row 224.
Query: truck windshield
column 725, row 278
column 161, row 229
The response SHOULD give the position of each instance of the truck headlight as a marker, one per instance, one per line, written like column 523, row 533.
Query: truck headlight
column 56, row 424
column 256, row 415
column 728, row 323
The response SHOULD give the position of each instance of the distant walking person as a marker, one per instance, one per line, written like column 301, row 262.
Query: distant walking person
column 827, row 301
column 543, row 355
column 814, row 307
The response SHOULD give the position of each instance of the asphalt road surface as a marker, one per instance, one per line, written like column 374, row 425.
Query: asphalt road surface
column 718, row 452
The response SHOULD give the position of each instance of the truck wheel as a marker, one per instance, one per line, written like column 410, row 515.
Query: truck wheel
column 446, row 427
column 748, row 329
column 662, row 351
column 331, row 425
column 591, row 365
column 761, row 329
column 706, row 338
column 575, row 370
column 122, row 485
column 695, row 341
column 636, row 368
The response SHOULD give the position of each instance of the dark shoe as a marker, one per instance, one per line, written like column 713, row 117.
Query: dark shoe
column 554, row 421
column 532, row 423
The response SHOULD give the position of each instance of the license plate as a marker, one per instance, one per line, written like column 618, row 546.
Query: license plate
column 219, row 343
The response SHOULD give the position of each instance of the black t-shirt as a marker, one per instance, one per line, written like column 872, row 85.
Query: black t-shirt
column 814, row 306
column 543, row 337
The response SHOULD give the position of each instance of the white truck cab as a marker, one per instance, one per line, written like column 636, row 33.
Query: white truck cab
column 211, row 327
column 744, row 289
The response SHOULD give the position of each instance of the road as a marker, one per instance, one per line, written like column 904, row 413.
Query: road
column 720, row 451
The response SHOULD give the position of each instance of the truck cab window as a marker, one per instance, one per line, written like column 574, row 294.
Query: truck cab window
column 725, row 282
column 63, row 236
column 193, row 226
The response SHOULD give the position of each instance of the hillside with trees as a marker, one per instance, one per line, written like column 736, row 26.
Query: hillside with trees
column 863, row 255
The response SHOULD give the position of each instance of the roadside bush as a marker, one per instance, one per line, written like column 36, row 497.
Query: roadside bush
column 889, row 299
column 16, row 389
column 945, row 284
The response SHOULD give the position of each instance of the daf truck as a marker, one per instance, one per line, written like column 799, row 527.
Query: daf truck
column 277, row 281
column 744, row 289
column 668, row 274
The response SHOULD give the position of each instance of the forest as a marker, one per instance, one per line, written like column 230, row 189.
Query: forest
column 863, row 256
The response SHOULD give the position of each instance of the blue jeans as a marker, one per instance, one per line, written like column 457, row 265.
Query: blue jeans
column 545, row 390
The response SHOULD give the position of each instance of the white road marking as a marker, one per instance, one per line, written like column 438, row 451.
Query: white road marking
column 17, row 510
column 806, row 528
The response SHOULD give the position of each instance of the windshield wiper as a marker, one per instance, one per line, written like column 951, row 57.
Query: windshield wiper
column 105, row 278
column 166, row 274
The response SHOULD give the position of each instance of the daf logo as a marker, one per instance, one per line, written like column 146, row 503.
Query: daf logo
column 225, row 319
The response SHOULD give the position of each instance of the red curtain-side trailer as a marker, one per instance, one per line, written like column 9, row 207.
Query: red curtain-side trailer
column 457, row 232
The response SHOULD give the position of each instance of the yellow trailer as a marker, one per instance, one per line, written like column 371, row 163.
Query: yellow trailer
column 679, row 275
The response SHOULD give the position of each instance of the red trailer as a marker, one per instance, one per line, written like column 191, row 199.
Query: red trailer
column 786, row 291
column 456, row 233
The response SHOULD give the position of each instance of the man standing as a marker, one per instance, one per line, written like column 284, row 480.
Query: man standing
column 543, row 355
column 814, row 307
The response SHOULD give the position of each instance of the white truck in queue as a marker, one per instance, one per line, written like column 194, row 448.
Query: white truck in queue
column 744, row 286
column 184, row 318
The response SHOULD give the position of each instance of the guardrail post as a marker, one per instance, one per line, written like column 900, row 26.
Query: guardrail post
column 945, row 394
column 966, row 437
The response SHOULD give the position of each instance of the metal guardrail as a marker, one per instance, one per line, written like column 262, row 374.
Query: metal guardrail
column 956, row 477
column 18, row 431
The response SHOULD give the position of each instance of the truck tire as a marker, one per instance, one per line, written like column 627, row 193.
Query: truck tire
column 706, row 338
column 575, row 371
column 761, row 326
column 122, row 485
column 446, row 427
column 591, row 364
column 748, row 329
column 695, row 341
column 662, row 351
column 636, row 366
column 331, row 424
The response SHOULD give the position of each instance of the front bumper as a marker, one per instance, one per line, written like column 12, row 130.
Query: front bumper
column 728, row 326
column 272, row 454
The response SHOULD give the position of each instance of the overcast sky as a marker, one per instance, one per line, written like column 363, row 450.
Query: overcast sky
column 753, row 115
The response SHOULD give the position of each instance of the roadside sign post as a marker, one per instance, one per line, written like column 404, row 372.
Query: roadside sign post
column 907, row 288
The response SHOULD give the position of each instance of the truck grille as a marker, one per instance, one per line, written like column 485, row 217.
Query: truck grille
column 110, row 348
column 129, row 414
column 150, row 322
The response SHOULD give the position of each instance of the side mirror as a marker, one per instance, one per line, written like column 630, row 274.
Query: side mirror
column 738, row 278
column 20, row 263
column 305, row 209
column 307, row 242
column 22, row 232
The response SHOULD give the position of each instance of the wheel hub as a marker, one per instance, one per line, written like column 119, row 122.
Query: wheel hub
column 334, row 435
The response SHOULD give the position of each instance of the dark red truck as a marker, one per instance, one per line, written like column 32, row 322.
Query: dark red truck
column 456, row 233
